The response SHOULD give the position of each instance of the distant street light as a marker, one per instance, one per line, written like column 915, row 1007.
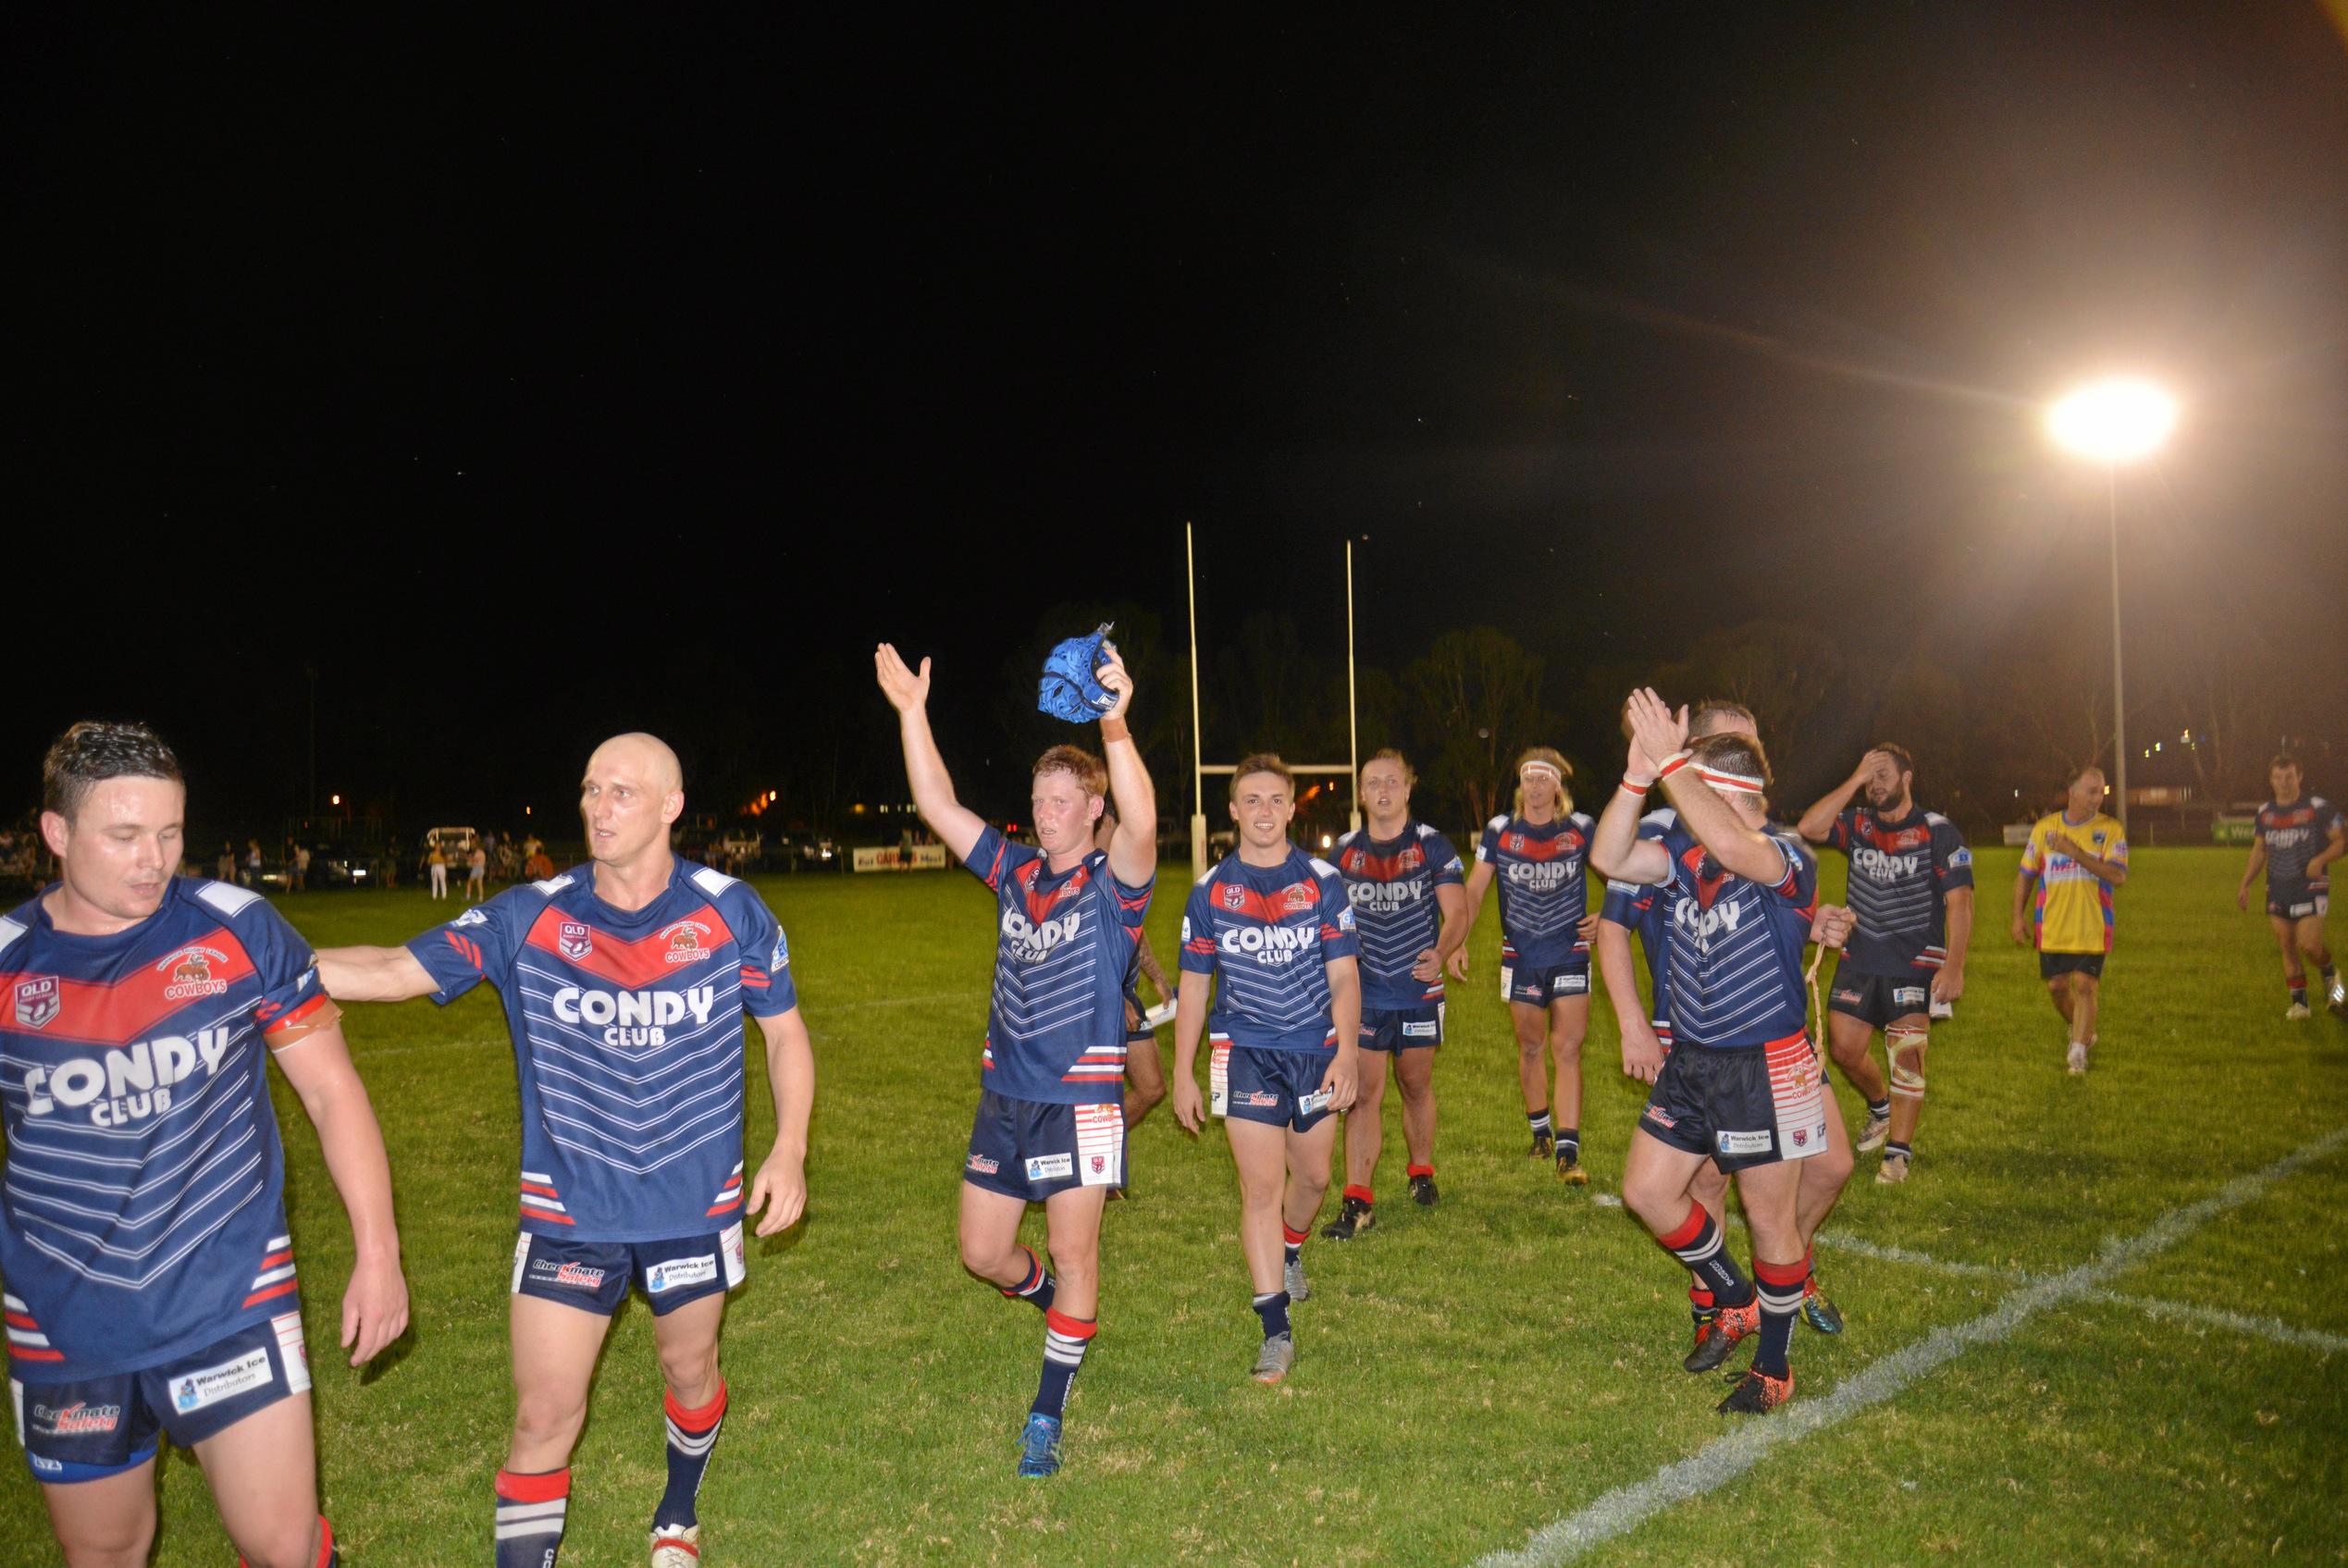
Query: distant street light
column 2114, row 422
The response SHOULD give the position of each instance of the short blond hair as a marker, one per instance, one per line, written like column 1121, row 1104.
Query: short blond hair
column 1556, row 759
column 1264, row 762
column 1389, row 754
column 1088, row 770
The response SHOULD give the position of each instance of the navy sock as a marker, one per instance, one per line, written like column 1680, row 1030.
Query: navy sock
column 1696, row 1243
column 1065, row 1341
column 1781, row 1298
column 2298, row 985
column 1880, row 1109
column 1569, row 1142
column 693, row 1436
column 529, row 1517
column 1040, row 1285
column 1539, row 1119
column 1896, row 1150
column 1273, row 1309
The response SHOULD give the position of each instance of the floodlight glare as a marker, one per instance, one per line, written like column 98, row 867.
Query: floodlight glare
column 2113, row 421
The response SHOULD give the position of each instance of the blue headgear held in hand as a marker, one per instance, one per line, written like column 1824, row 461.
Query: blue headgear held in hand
column 1071, row 689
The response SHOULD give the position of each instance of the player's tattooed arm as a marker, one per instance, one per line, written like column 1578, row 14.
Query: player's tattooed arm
column 1451, row 940
column 1132, row 850
column 1189, row 1023
column 781, row 1186
column 373, row 974
column 1151, row 972
column 375, row 1304
column 956, row 826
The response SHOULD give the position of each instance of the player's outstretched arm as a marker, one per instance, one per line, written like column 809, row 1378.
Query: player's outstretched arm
column 956, row 826
column 373, row 974
column 1343, row 1078
column 1615, row 848
column 316, row 1062
column 1190, row 1022
column 1949, row 983
column 1818, row 824
column 1132, row 850
column 781, row 1185
column 1451, row 941
column 1642, row 1053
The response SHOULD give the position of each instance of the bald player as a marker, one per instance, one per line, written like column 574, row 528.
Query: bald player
column 622, row 982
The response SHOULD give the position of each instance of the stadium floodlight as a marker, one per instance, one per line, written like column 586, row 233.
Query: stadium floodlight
column 2114, row 422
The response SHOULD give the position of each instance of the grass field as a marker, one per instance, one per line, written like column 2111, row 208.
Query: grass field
column 1466, row 1375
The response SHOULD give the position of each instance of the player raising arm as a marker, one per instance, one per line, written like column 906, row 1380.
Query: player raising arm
column 1051, row 1120
column 624, row 981
column 150, row 1272
column 1270, row 931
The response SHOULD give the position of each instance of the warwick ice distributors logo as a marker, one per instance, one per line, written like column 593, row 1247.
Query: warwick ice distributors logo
column 190, row 972
column 633, row 1017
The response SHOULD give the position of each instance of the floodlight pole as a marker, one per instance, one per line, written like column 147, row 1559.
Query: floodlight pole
column 1198, row 761
column 2119, row 694
column 1353, row 713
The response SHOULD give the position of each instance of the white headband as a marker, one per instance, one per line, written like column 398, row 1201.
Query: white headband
column 1730, row 783
column 1538, row 766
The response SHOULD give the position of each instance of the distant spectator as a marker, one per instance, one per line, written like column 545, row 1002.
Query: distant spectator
column 227, row 867
column 477, row 875
column 299, row 881
column 252, row 862
column 438, row 864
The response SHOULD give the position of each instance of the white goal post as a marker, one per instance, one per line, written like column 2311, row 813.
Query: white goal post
column 1200, row 768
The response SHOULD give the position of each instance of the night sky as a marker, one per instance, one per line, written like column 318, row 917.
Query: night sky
column 532, row 379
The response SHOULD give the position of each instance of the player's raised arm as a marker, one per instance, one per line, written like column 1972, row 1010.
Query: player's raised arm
column 1818, row 824
column 310, row 1051
column 956, row 826
column 781, row 1186
column 1744, row 851
column 373, row 974
column 1132, row 850
column 1616, row 852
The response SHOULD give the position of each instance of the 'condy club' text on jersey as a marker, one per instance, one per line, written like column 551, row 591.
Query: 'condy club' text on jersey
column 1391, row 883
column 144, row 1215
column 1541, row 898
column 1900, row 873
column 1270, row 933
column 2293, row 835
column 628, row 1035
column 1736, row 945
column 1066, row 942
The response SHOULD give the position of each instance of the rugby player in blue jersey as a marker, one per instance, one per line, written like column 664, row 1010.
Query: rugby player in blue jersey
column 2298, row 838
column 1912, row 892
column 624, row 982
column 1410, row 909
column 1051, row 1120
column 149, row 1279
column 1271, row 932
column 1540, row 857
column 1742, row 1085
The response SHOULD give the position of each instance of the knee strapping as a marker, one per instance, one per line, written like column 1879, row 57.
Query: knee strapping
column 1906, row 1048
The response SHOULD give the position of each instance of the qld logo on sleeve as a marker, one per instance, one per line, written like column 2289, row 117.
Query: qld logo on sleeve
column 37, row 1001
column 576, row 940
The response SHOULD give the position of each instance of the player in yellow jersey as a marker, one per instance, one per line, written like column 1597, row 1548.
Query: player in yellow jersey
column 2077, row 856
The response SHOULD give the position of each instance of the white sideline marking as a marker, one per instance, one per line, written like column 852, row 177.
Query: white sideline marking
column 1720, row 1462
column 1835, row 1242
column 2273, row 1328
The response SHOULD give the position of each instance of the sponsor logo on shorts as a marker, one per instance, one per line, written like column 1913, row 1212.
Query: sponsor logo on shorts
column 1260, row 1097
column 194, row 1391
column 676, row 1273
column 1100, row 1164
column 1801, row 1137
column 78, row 1419
column 45, row 1465
column 37, row 1001
column 573, row 1276
column 1742, row 1142
column 190, row 972
column 1307, row 1104
column 1845, row 993
column 576, row 940
column 982, row 1164
column 1907, row 995
column 1423, row 1029
column 1569, row 985
column 1051, row 1167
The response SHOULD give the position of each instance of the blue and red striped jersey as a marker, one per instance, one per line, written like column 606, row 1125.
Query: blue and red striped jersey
column 143, row 1215
column 627, row 1039
column 1393, row 883
column 2293, row 835
column 1736, row 945
column 1269, row 933
column 1647, row 911
column 1900, row 874
column 1540, row 868
column 1065, row 945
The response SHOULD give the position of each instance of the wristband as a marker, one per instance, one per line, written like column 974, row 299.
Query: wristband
column 1112, row 728
column 1636, row 788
